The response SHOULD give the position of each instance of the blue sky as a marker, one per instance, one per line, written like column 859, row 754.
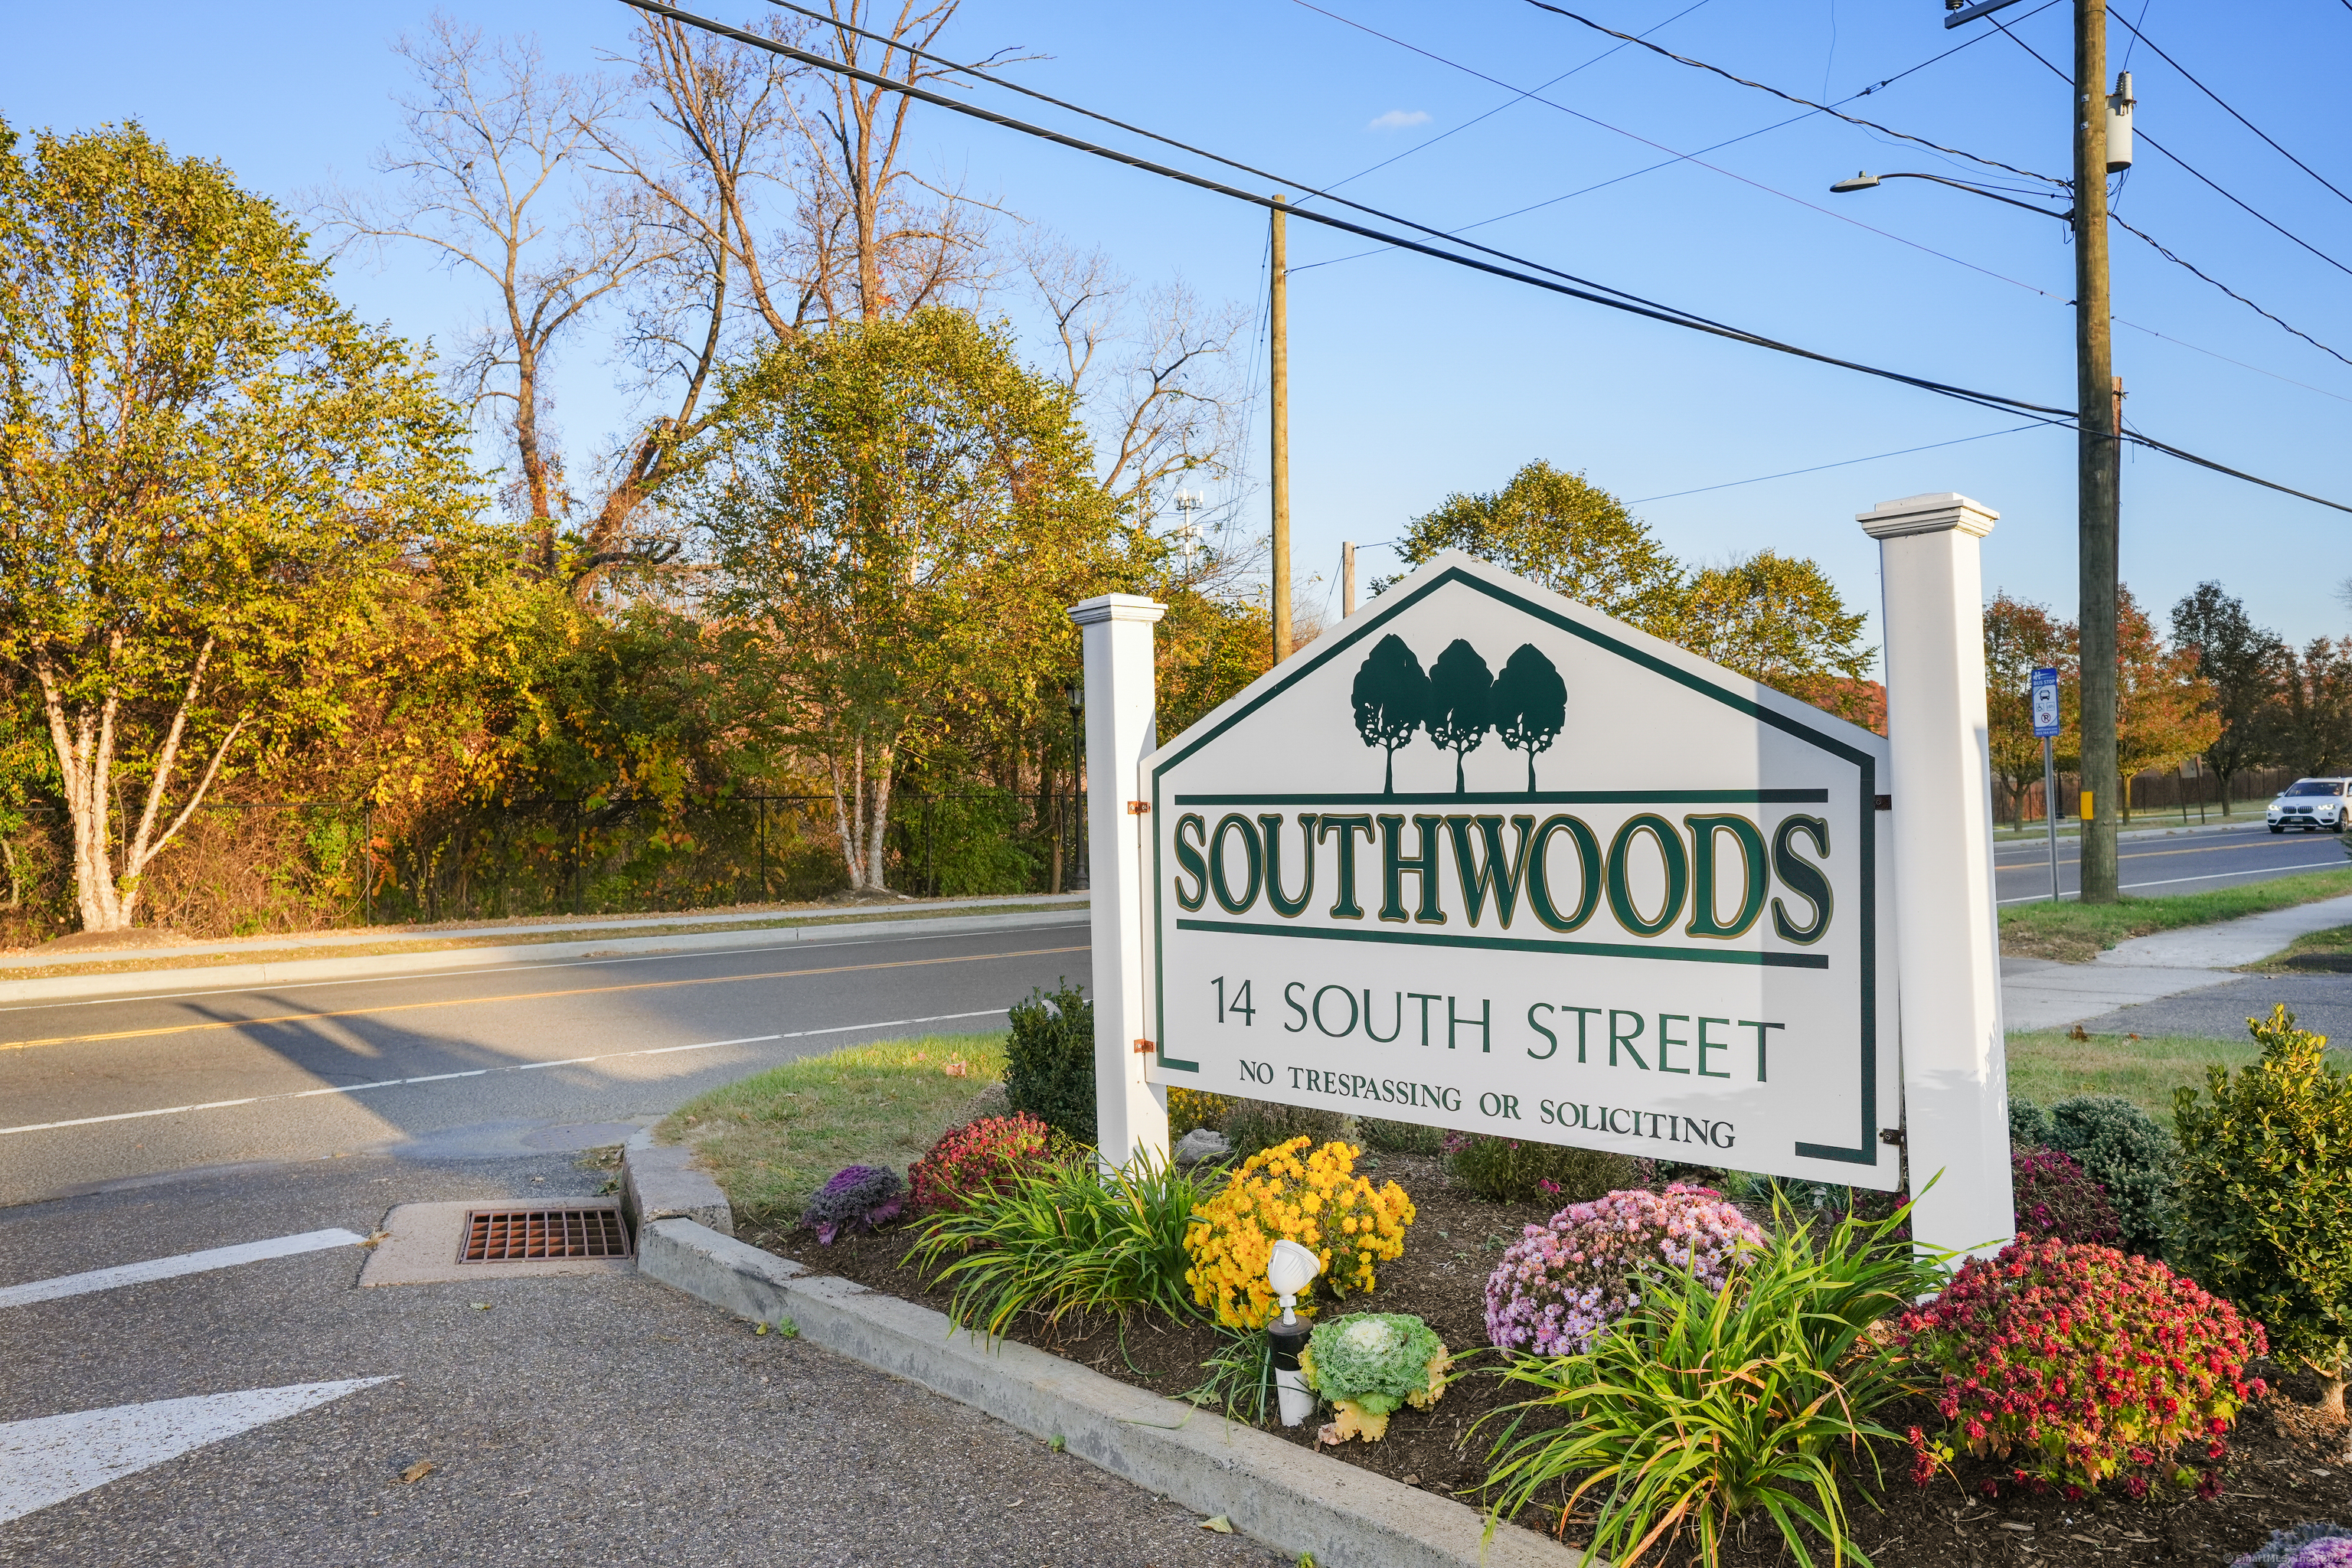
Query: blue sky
column 1412, row 378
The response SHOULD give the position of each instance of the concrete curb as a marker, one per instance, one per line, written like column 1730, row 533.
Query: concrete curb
column 660, row 1180
column 239, row 976
column 1290, row 1497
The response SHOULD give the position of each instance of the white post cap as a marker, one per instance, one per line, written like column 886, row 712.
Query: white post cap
column 1116, row 607
column 1926, row 514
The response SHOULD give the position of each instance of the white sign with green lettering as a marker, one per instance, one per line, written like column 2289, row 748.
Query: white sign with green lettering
column 1483, row 859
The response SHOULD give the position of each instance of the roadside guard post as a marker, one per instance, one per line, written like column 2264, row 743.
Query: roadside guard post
column 2045, row 724
column 1955, row 1070
column 1132, row 1114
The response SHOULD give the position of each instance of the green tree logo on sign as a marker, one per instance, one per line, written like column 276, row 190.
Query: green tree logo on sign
column 1530, row 705
column 1391, row 700
column 1458, row 703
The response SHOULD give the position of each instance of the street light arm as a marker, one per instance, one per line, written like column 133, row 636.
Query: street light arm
column 2066, row 217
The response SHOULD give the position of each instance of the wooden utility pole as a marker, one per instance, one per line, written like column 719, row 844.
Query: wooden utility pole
column 2097, row 500
column 1278, row 332
column 1347, row 580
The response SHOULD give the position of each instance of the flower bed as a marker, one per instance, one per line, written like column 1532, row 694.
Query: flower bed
column 1455, row 1243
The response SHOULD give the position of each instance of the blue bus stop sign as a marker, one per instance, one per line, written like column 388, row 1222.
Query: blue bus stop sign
column 2045, row 702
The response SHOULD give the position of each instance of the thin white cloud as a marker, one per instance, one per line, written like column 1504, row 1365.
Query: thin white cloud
column 1400, row 119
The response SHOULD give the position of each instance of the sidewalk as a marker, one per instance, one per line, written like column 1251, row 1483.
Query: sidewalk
column 280, row 959
column 2039, row 993
column 2149, row 824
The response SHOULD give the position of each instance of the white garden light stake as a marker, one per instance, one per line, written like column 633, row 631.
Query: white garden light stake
column 1290, row 1271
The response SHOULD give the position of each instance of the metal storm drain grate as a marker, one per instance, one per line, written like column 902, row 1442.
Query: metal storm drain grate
column 530, row 1235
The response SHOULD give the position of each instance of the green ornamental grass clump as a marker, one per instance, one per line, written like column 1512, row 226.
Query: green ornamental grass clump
column 1705, row 1406
column 1369, row 1364
column 1049, row 1061
column 2266, row 1186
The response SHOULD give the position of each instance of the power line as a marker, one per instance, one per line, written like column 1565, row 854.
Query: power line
column 1629, row 303
column 1845, row 463
column 2233, row 114
column 1790, row 97
column 2225, row 289
column 1677, row 157
column 1520, row 98
column 2225, row 359
column 2176, row 157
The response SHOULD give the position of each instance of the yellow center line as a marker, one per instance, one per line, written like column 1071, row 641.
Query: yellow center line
column 524, row 996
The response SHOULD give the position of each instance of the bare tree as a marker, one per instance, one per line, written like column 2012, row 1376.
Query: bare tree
column 494, row 177
column 884, row 239
column 1157, row 374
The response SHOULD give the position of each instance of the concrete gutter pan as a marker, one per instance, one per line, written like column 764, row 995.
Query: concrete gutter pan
column 1292, row 1499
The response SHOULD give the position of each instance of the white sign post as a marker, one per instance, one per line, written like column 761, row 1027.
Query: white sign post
column 1955, row 1071
column 1482, row 858
column 1131, row 1115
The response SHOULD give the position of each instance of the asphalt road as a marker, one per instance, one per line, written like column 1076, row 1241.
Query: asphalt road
column 520, row 1059
column 595, row 1420
column 2157, row 867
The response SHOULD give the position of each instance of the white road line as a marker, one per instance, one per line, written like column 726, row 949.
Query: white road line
column 168, row 1268
column 514, row 968
column 53, row 1458
column 484, row 1072
column 2127, row 887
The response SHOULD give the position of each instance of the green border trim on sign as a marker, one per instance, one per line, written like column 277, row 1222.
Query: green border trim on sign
column 1524, row 945
column 1864, row 1151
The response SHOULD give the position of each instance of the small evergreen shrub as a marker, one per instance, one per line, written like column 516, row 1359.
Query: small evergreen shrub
column 2284, row 1546
column 1562, row 1284
column 2126, row 1152
column 1049, row 1061
column 2029, row 1124
column 1317, row 1201
column 2266, row 1189
column 1510, row 1171
column 1258, row 1125
column 1368, row 1364
column 2079, row 1365
column 985, row 1155
column 1401, row 1136
column 1190, row 1109
column 2057, row 1199
column 859, row 1197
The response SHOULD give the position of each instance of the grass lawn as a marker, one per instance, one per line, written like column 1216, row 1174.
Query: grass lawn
column 774, row 1139
column 2076, row 932
column 2048, row 1065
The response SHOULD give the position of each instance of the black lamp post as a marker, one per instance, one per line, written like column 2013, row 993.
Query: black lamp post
column 1075, row 692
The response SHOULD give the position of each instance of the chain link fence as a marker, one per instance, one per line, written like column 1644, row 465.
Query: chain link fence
column 246, row 868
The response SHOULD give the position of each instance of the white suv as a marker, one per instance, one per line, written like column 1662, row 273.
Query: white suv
column 2312, row 804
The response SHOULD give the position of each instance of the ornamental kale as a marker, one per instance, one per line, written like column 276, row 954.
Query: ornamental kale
column 859, row 1197
column 1560, row 1287
column 2080, row 1364
column 2328, row 1551
column 1368, row 1364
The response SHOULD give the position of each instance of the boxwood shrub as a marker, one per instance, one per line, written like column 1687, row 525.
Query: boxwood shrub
column 1049, row 1061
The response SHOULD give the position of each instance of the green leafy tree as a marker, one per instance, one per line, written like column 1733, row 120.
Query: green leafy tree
column 1555, row 529
column 2244, row 665
column 1391, row 700
column 1777, row 619
column 2312, row 723
column 208, row 474
column 1530, row 704
column 2264, row 1188
column 899, row 511
column 1461, row 703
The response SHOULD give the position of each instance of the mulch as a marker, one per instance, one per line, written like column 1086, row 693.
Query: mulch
column 2282, row 1470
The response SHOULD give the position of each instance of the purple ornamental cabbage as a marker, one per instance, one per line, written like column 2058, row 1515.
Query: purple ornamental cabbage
column 2329, row 1552
column 859, row 1197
